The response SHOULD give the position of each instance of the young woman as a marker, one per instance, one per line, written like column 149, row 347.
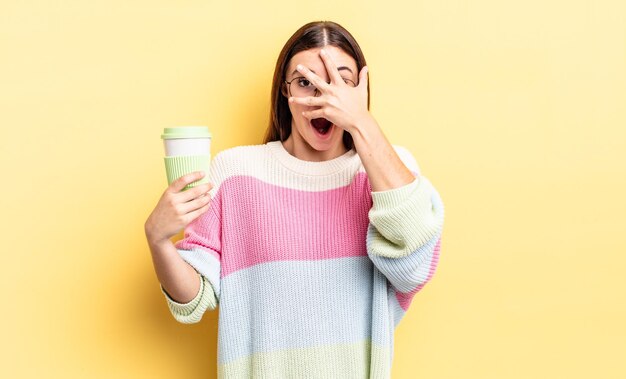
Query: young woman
column 313, row 243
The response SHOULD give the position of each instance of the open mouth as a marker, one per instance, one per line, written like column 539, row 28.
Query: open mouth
column 322, row 125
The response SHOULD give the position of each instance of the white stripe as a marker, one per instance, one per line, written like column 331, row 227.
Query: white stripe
column 261, row 162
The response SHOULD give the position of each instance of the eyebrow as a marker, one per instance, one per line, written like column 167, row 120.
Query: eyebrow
column 338, row 69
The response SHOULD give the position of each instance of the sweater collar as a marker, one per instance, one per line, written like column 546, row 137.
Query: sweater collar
column 303, row 167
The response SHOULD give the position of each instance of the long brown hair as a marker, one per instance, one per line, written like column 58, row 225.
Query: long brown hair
column 312, row 35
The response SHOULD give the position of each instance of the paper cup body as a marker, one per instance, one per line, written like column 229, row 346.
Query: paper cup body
column 187, row 146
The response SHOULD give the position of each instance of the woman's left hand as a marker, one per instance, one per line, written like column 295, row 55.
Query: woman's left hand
column 341, row 104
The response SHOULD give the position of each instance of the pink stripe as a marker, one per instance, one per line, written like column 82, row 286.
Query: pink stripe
column 297, row 225
column 204, row 232
column 405, row 298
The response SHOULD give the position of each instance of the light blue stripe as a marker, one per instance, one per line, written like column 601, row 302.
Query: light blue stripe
column 206, row 264
column 408, row 272
column 290, row 304
column 382, row 317
column 396, row 310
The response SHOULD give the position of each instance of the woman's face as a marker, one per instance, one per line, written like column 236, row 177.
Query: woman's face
column 302, row 129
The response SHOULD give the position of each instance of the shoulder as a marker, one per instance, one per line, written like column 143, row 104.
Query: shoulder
column 238, row 160
column 239, row 154
column 407, row 158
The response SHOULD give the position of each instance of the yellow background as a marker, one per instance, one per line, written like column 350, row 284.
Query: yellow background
column 514, row 110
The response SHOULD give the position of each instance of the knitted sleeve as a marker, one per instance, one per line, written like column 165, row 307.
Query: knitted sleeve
column 201, row 248
column 191, row 312
column 404, row 234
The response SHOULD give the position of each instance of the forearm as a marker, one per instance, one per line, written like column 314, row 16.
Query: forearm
column 178, row 278
column 384, row 167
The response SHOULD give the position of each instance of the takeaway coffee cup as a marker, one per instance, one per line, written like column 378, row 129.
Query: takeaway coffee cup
column 187, row 149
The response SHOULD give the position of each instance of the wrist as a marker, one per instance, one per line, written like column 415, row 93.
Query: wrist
column 356, row 123
column 366, row 133
column 155, row 240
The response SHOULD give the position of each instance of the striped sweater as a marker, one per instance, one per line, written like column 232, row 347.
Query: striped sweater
column 312, row 271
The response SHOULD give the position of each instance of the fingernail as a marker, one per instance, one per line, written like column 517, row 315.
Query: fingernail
column 323, row 52
column 291, row 99
column 299, row 67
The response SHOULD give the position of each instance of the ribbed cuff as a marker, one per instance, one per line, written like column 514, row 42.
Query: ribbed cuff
column 405, row 218
column 184, row 309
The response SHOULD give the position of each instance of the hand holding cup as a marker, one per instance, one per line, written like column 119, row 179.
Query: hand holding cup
column 178, row 207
